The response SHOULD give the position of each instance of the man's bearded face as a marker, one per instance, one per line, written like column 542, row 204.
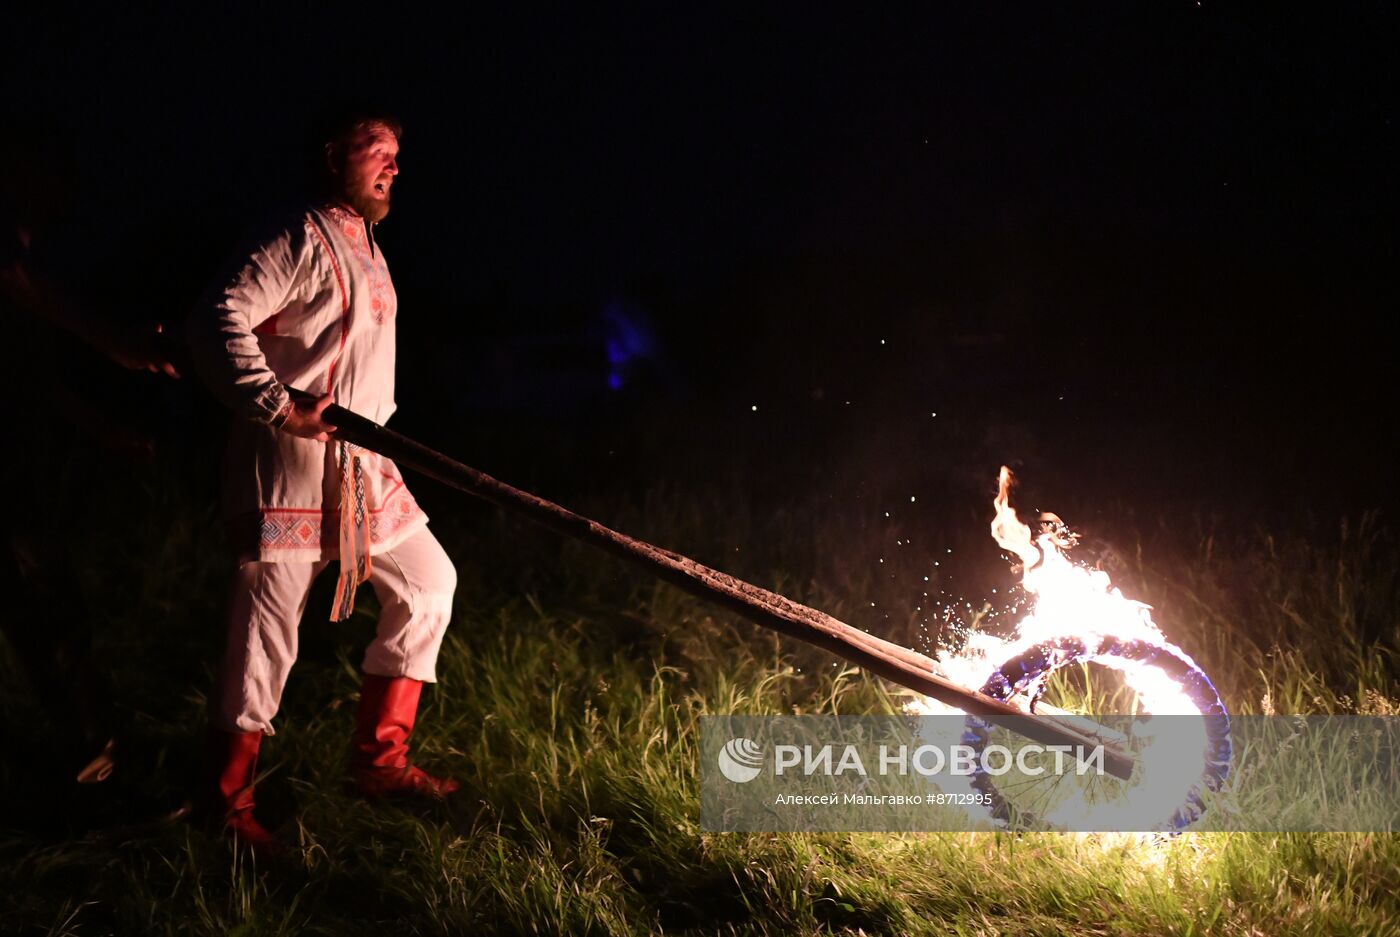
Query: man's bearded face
column 365, row 169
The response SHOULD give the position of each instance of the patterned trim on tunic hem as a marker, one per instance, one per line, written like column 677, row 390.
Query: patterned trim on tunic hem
column 302, row 533
column 331, row 554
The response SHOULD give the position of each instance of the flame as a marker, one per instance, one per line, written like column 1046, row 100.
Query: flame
column 1010, row 533
column 1068, row 600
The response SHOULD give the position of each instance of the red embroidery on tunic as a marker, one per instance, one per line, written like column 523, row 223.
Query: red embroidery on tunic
column 315, row 528
column 381, row 292
column 344, row 304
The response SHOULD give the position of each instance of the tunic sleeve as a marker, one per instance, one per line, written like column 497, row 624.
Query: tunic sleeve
column 221, row 330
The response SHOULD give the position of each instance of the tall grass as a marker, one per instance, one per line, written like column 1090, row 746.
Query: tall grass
column 568, row 703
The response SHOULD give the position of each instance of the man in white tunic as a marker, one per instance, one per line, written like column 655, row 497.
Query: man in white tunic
column 312, row 307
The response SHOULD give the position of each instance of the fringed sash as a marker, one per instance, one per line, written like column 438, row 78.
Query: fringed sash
column 354, row 532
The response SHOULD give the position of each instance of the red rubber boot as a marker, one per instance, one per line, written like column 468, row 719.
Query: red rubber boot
column 379, row 763
column 233, row 760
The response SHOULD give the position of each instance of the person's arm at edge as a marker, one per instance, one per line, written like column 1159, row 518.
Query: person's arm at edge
column 131, row 348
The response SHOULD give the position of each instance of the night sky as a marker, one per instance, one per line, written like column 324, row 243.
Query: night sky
column 1148, row 246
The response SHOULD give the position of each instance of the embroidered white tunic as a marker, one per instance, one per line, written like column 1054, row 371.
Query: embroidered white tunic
column 312, row 307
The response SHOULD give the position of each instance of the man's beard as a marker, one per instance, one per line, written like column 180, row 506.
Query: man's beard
column 373, row 210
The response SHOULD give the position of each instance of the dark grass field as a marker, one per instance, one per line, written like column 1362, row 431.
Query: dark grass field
column 569, row 696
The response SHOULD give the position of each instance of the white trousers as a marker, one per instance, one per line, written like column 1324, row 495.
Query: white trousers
column 414, row 582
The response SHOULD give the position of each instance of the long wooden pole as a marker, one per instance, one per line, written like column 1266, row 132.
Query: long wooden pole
column 884, row 658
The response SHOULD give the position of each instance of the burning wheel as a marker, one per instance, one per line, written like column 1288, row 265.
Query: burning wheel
column 1112, row 688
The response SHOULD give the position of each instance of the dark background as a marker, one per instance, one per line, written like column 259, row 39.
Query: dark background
column 1140, row 251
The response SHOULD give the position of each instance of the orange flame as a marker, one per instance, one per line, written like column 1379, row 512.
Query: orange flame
column 1007, row 529
column 1072, row 600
